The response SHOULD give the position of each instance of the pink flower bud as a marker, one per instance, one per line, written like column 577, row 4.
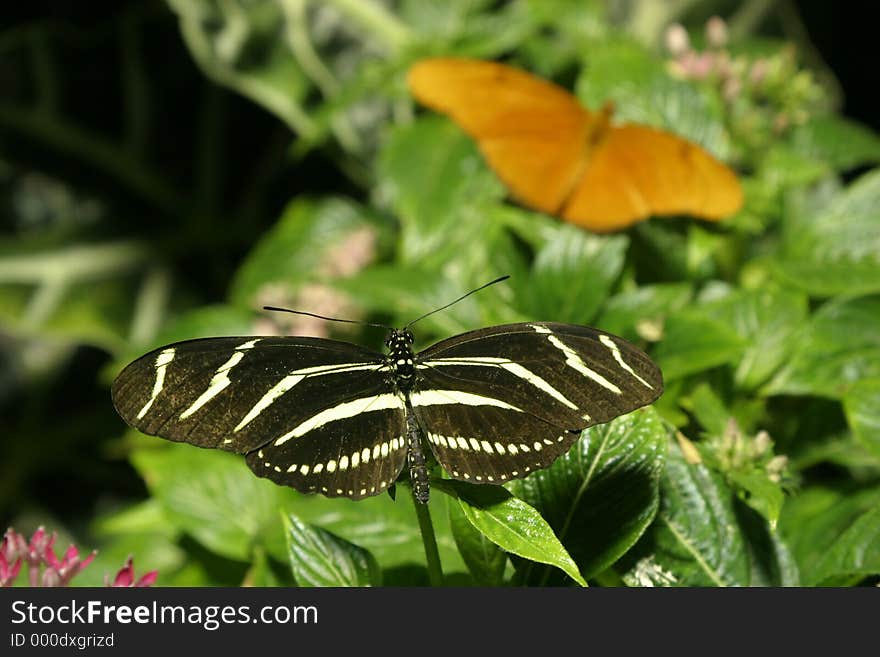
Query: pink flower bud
column 716, row 32
column 677, row 40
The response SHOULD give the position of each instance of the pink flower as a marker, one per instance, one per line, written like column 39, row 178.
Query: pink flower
column 10, row 559
column 125, row 577
column 46, row 569
column 59, row 573
column 677, row 41
column 716, row 32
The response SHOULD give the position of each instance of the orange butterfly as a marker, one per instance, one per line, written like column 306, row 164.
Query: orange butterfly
column 556, row 156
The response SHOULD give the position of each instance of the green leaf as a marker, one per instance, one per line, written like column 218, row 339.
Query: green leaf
column 571, row 275
column 697, row 537
column 442, row 199
column 320, row 558
column 693, row 342
column 387, row 528
column 837, row 348
column 601, row 496
column 260, row 573
column 214, row 497
column 766, row 320
column 239, row 46
column 833, row 532
column 782, row 168
column 202, row 322
column 643, row 92
column 836, row 248
column 408, row 293
column 650, row 304
column 311, row 240
column 839, row 141
column 855, row 552
column 708, row 409
column 512, row 525
column 862, row 405
column 755, row 489
column 484, row 559
column 771, row 561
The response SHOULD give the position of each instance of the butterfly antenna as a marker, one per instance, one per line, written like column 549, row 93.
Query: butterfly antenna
column 329, row 319
column 464, row 296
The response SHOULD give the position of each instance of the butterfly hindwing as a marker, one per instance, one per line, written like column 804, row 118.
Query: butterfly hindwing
column 354, row 448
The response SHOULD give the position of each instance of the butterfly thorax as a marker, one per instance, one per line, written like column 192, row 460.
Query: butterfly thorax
column 400, row 357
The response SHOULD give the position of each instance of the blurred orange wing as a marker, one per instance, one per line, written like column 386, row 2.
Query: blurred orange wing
column 531, row 131
column 635, row 171
column 557, row 157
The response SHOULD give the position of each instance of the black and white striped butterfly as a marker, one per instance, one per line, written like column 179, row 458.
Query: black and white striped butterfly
column 331, row 417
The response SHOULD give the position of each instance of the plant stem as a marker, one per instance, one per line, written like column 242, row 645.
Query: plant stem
column 432, row 556
column 378, row 21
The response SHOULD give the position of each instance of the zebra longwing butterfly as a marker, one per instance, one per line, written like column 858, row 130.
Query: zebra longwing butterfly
column 330, row 417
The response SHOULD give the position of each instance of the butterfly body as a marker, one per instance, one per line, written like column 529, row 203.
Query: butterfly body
column 557, row 156
column 334, row 418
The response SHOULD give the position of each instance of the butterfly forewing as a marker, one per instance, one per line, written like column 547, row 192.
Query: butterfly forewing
column 304, row 402
column 503, row 401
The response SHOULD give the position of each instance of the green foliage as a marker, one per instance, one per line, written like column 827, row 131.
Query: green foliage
column 296, row 171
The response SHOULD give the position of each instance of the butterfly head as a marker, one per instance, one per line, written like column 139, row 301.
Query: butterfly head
column 400, row 354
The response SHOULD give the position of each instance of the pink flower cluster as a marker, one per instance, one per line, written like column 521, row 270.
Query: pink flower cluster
column 46, row 569
column 763, row 96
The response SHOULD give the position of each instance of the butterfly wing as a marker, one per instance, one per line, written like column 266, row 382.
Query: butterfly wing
column 531, row 131
column 637, row 171
column 314, row 414
column 501, row 416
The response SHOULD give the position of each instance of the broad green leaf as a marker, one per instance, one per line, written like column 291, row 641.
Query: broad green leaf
column 626, row 312
column 856, row 551
column 214, row 497
column 643, row 92
column 203, row 322
column 484, row 559
column 320, row 558
column 840, row 449
column 141, row 531
column 757, row 490
column 601, row 495
column 832, row 532
column 312, row 240
column 408, row 293
column 766, row 320
column 839, row 141
column 512, row 525
column 835, row 249
column 693, row 342
column 435, row 180
column 387, row 528
column 782, row 168
column 660, row 253
column 696, row 536
column 571, row 275
column 862, row 404
column 708, row 409
column 771, row 561
column 838, row 347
